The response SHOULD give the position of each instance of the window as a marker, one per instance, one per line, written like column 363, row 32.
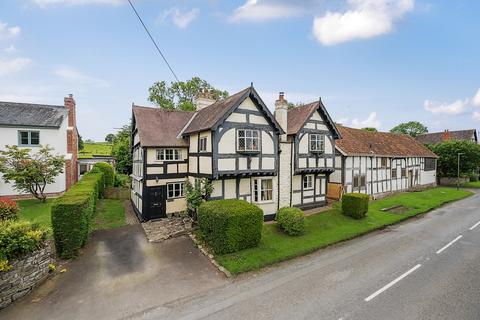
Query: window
column 384, row 162
column 168, row 154
column 359, row 181
column 429, row 164
column 394, row 173
column 262, row 190
column 203, row 144
column 248, row 140
column 175, row 190
column 28, row 138
column 404, row 172
column 317, row 142
column 308, row 182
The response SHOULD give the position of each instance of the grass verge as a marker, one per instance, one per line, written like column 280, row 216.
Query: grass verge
column 475, row 184
column 329, row 227
column 110, row 214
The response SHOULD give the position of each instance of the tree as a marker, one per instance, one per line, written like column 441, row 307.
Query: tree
column 30, row 172
column 110, row 137
column 412, row 128
column 121, row 150
column 89, row 141
column 195, row 194
column 181, row 95
column 80, row 143
column 292, row 105
column 448, row 157
column 371, row 129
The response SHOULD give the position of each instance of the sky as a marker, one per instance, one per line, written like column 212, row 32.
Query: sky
column 374, row 63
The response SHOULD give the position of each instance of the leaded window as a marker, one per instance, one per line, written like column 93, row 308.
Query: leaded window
column 308, row 182
column 175, row 190
column 248, row 140
column 168, row 154
column 429, row 164
column 317, row 142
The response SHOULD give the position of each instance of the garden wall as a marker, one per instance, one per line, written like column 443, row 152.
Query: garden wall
column 448, row 181
column 117, row 193
column 27, row 273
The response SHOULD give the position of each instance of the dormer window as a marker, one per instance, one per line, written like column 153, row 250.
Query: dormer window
column 168, row 155
column 316, row 142
column 248, row 140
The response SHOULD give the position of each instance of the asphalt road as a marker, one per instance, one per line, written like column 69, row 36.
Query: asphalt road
column 420, row 269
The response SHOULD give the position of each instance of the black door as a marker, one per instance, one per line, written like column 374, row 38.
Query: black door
column 156, row 202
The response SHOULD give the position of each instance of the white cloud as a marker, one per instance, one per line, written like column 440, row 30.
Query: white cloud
column 476, row 99
column 262, row 10
column 453, row 108
column 371, row 121
column 476, row 116
column 179, row 18
column 72, row 75
column 365, row 19
column 8, row 32
column 13, row 65
column 10, row 49
column 45, row 3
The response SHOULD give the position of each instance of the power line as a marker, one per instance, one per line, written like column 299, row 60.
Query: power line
column 153, row 40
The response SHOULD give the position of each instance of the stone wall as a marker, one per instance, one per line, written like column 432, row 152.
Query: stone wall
column 27, row 273
column 448, row 181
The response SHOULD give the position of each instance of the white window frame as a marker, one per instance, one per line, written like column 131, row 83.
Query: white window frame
column 248, row 138
column 168, row 154
column 260, row 191
column 176, row 187
column 29, row 138
column 202, row 144
column 307, row 182
column 316, row 142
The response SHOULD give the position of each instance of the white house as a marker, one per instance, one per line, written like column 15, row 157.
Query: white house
column 30, row 126
column 378, row 163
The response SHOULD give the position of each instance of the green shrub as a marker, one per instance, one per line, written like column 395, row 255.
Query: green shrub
column 291, row 221
column 355, row 205
column 72, row 213
column 109, row 173
column 8, row 209
column 230, row 225
column 473, row 177
column 18, row 238
column 122, row 180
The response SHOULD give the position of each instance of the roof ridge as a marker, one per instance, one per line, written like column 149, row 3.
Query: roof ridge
column 33, row 104
column 163, row 109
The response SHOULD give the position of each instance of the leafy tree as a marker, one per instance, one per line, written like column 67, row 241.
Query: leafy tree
column 30, row 172
column 371, row 129
column 110, row 137
column 292, row 105
column 181, row 95
column 121, row 150
column 89, row 141
column 80, row 143
column 196, row 193
column 412, row 128
column 448, row 156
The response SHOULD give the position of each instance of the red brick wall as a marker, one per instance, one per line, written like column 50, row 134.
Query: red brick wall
column 71, row 166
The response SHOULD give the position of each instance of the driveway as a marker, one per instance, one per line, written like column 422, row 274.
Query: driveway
column 120, row 274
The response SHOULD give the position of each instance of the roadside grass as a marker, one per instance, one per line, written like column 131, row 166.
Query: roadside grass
column 329, row 227
column 96, row 148
column 36, row 212
column 475, row 184
column 110, row 214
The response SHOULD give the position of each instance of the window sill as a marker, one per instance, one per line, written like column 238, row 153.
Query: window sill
column 264, row 202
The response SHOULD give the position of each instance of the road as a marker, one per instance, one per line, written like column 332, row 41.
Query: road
column 425, row 268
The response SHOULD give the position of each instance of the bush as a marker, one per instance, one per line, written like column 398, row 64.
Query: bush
column 8, row 209
column 291, row 221
column 72, row 213
column 473, row 177
column 230, row 225
column 355, row 205
column 122, row 180
column 109, row 173
column 18, row 238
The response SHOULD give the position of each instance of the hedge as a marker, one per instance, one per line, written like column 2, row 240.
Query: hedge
column 230, row 225
column 291, row 220
column 8, row 209
column 72, row 213
column 109, row 173
column 355, row 205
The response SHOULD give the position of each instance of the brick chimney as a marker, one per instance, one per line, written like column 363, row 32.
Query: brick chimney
column 281, row 112
column 446, row 135
column 71, row 166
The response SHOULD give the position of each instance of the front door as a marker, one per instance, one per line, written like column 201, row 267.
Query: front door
column 156, row 202
column 410, row 178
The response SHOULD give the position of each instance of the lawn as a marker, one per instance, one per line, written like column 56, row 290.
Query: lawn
column 330, row 227
column 97, row 149
column 110, row 214
column 475, row 184
column 35, row 211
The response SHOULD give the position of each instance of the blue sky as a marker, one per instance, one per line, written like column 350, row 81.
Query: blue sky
column 373, row 62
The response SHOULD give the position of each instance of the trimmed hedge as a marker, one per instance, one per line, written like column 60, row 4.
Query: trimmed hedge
column 72, row 213
column 291, row 220
column 109, row 173
column 355, row 205
column 230, row 225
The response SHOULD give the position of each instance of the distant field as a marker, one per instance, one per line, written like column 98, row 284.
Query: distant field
column 96, row 149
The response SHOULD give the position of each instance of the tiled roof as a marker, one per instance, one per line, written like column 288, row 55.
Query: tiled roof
column 362, row 142
column 160, row 127
column 29, row 114
column 297, row 117
column 437, row 137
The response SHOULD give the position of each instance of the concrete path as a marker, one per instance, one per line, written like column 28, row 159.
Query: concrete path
column 421, row 269
column 118, row 275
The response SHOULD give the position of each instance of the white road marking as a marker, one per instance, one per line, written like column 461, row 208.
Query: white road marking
column 449, row 244
column 376, row 293
column 474, row 226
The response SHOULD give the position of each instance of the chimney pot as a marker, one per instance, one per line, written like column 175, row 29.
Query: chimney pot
column 281, row 95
